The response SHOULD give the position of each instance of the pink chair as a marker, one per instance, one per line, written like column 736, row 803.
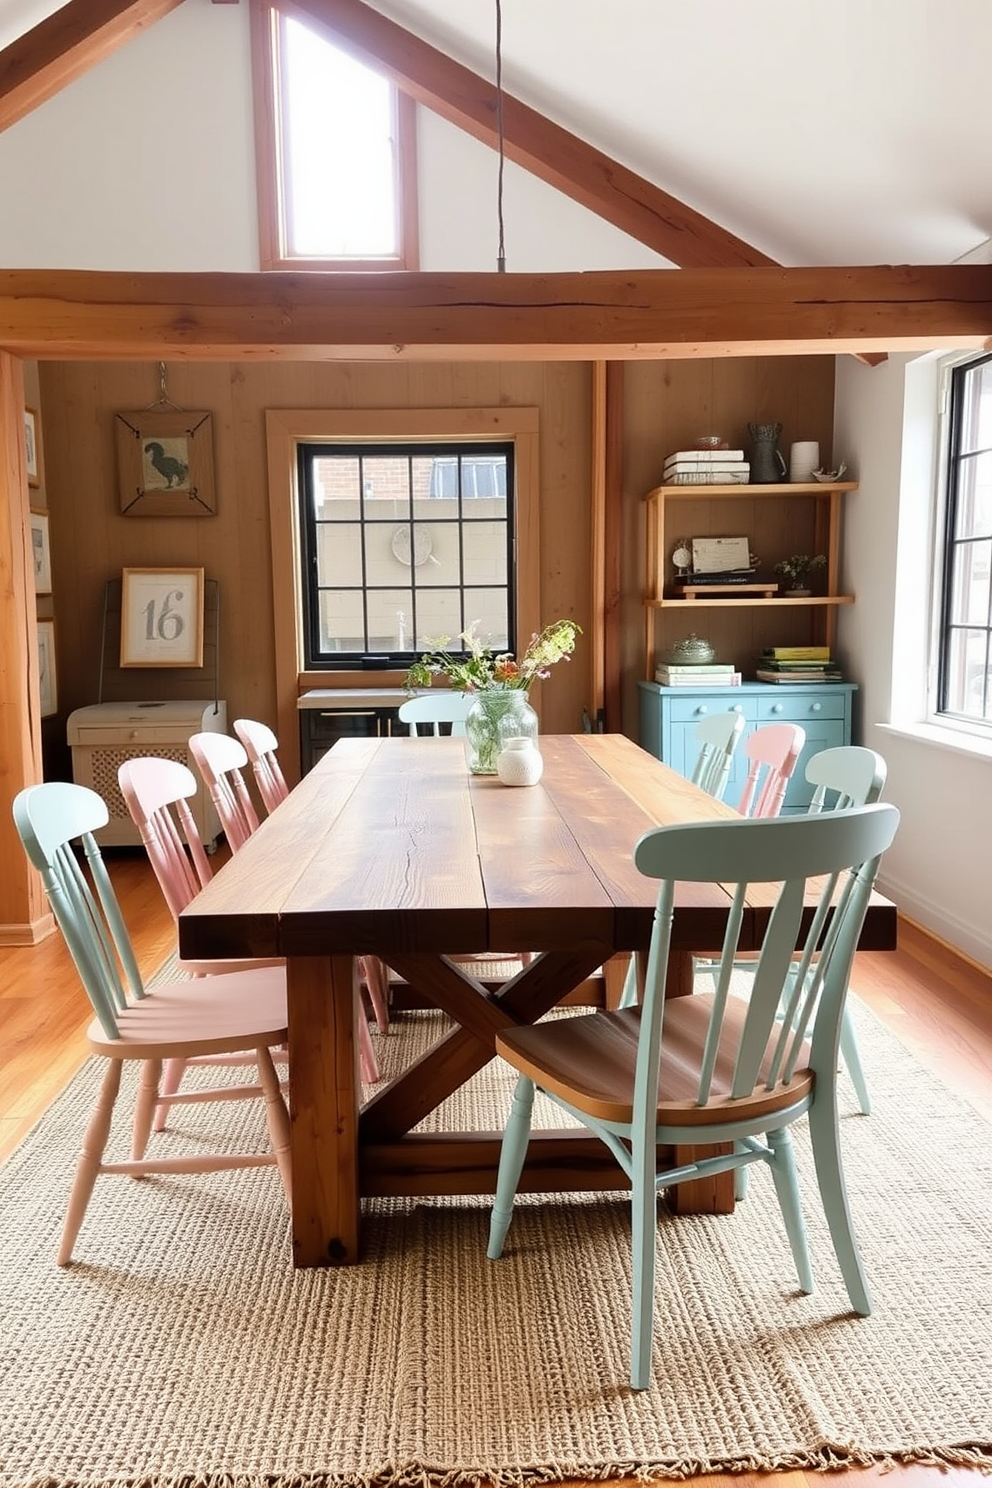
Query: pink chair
column 220, row 760
column 157, row 792
column 260, row 745
column 773, row 752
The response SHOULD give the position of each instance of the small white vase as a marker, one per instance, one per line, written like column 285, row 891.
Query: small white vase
column 519, row 762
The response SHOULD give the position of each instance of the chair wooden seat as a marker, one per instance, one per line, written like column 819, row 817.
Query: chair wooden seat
column 223, row 1014
column 591, row 1062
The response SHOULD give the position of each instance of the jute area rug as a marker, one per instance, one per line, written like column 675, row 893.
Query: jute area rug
column 181, row 1348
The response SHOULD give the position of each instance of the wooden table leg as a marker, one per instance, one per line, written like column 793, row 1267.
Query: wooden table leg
column 324, row 1095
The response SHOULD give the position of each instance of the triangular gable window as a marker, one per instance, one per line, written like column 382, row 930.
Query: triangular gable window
column 335, row 147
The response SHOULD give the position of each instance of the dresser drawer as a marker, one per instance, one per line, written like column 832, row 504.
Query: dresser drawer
column 799, row 706
column 137, row 733
column 692, row 708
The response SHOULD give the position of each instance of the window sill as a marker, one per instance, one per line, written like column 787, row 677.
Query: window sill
column 944, row 736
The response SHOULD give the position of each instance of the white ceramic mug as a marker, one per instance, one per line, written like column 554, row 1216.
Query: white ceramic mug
column 804, row 458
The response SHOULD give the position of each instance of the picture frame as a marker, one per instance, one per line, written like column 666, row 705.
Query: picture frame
column 41, row 552
column 32, row 447
column 48, row 688
column 162, row 617
column 165, row 463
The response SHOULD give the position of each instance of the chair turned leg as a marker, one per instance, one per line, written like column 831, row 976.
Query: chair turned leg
column 511, row 1161
column 370, row 1065
column 170, row 1084
column 787, row 1188
column 643, row 1225
column 94, row 1143
column 851, row 1055
column 276, row 1118
column 825, row 1140
column 146, row 1106
column 376, row 977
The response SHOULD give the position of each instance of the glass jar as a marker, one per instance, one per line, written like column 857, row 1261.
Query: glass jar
column 496, row 714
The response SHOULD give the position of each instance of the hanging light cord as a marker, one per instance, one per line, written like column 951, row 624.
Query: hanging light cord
column 501, row 249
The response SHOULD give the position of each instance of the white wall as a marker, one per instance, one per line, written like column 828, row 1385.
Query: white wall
column 938, row 869
column 147, row 163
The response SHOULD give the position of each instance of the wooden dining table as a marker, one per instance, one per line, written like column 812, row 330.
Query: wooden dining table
column 390, row 847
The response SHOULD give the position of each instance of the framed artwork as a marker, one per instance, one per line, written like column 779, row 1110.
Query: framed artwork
column 162, row 617
column 165, row 463
column 47, row 676
column 41, row 552
column 31, row 447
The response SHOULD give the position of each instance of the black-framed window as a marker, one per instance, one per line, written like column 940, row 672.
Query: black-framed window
column 403, row 544
column 965, row 666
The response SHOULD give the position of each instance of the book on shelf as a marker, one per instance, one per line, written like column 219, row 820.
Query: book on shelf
column 723, row 679
column 797, row 666
column 696, row 668
column 797, row 653
column 704, row 456
column 703, row 477
column 728, row 576
column 785, row 678
column 677, row 467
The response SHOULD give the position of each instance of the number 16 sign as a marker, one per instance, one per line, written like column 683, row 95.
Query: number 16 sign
column 162, row 617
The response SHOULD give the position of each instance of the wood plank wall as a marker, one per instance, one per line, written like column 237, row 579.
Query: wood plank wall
column 667, row 404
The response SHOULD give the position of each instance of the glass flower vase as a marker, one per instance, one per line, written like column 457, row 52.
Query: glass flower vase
column 495, row 714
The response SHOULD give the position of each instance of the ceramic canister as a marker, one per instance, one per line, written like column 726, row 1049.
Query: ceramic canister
column 804, row 458
column 519, row 762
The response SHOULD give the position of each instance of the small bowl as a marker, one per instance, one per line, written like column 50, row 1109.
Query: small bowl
column 825, row 476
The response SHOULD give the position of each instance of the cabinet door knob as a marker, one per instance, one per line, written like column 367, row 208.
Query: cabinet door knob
column 702, row 708
column 737, row 708
column 816, row 707
column 776, row 707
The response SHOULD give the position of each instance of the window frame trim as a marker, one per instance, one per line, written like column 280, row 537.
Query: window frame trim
column 264, row 19
column 285, row 428
column 948, row 462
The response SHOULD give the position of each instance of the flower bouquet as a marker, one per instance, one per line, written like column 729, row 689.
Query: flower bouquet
column 501, row 683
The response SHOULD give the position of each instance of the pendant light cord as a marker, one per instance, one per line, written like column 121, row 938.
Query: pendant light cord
column 501, row 249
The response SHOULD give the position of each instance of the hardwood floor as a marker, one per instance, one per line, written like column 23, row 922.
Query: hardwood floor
column 936, row 1002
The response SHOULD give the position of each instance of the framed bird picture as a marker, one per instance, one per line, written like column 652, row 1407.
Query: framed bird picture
column 165, row 463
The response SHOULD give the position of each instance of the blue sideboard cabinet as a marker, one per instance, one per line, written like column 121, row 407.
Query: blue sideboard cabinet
column 668, row 718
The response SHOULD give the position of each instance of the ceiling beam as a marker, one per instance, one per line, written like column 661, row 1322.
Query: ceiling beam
column 634, row 205
column 63, row 46
column 57, row 314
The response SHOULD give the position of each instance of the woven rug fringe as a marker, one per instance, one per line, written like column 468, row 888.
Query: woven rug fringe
column 977, row 1455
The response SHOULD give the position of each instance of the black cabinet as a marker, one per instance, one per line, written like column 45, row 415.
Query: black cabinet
column 330, row 714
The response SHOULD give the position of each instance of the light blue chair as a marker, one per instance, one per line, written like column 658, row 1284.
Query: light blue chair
column 239, row 1012
column 718, row 736
column 715, row 1068
column 441, row 705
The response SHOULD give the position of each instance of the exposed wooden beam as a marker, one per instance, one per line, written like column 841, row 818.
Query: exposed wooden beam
column 541, row 317
column 564, row 161
column 65, row 45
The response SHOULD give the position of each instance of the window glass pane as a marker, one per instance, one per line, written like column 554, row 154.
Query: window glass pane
column 968, row 674
column 339, row 554
column 976, row 423
column 439, row 614
column 489, row 608
column 342, row 621
column 386, row 486
column 340, row 152
column 484, row 547
column 974, row 497
column 335, row 479
column 970, row 584
column 389, row 612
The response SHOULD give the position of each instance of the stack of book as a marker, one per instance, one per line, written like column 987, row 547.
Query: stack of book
column 701, row 674
column 797, row 664
column 706, row 467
